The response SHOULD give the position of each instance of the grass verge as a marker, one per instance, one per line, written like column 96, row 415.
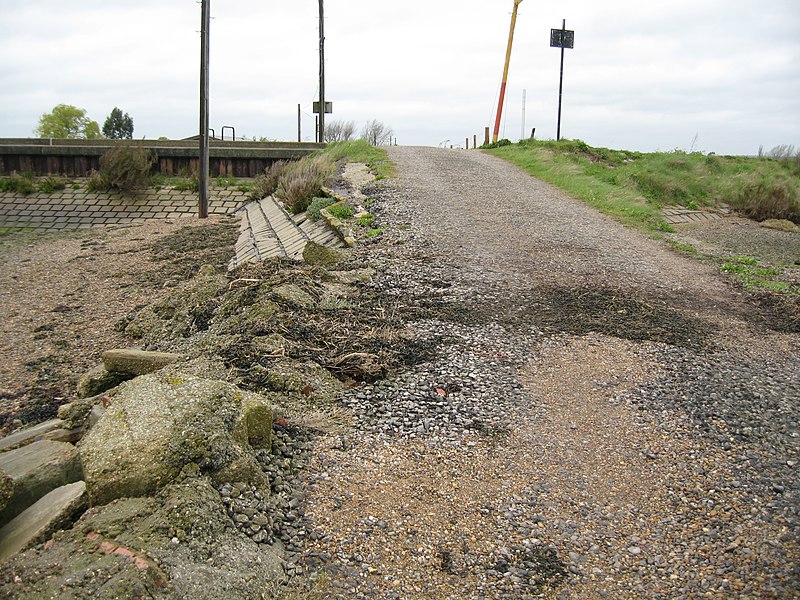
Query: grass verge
column 634, row 186
column 363, row 152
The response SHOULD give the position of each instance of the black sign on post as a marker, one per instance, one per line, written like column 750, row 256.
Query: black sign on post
column 561, row 38
column 328, row 108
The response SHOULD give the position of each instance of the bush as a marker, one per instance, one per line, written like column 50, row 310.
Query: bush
column 21, row 184
column 769, row 199
column 124, row 167
column 267, row 184
column 49, row 184
column 316, row 206
column 303, row 180
column 497, row 144
column 340, row 211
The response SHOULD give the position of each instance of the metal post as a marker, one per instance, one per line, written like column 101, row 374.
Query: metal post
column 321, row 72
column 298, row 124
column 561, row 77
column 202, row 167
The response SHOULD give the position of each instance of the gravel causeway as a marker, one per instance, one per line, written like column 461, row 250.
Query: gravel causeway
column 599, row 417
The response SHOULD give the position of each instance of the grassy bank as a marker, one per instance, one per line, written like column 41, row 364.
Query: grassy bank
column 634, row 186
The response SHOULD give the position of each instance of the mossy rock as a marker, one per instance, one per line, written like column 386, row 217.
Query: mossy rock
column 188, row 309
column 158, row 423
column 321, row 256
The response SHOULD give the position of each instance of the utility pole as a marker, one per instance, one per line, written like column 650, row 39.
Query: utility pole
column 202, row 167
column 321, row 72
column 505, row 72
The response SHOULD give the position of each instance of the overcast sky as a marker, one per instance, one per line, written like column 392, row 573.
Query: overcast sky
column 709, row 75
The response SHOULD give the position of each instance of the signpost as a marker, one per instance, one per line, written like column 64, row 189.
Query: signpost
column 561, row 38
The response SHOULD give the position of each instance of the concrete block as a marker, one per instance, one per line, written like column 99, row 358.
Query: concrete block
column 56, row 510
column 29, row 434
column 36, row 470
column 137, row 362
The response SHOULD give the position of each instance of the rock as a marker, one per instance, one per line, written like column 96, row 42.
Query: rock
column 75, row 414
column 160, row 422
column 181, row 313
column 6, row 489
column 137, row 362
column 55, row 510
column 179, row 544
column 781, row 225
column 307, row 378
column 28, row 435
column 99, row 380
column 294, row 295
column 354, row 276
column 318, row 255
column 37, row 469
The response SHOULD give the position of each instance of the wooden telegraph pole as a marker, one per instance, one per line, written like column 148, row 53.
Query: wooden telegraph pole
column 202, row 168
column 505, row 72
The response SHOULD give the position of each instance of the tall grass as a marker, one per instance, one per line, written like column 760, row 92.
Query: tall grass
column 634, row 186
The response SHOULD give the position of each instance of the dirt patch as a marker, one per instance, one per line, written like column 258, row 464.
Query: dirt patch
column 61, row 294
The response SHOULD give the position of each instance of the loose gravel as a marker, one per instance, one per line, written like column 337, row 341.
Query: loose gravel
column 564, row 458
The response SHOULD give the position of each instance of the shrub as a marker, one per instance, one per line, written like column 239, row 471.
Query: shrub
column 497, row 144
column 769, row 199
column 303, row 180
column 21, row 184
column 267, row 184
column 49, row 184
column 340, row 211
column 316, row 206
column 124, row 167
column 366, row 220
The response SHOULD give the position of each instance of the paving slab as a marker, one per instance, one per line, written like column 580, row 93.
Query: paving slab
column 36, row 470
column 29, row 434
column 56, row 510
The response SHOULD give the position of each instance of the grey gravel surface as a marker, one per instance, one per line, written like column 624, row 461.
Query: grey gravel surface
column 600, row 417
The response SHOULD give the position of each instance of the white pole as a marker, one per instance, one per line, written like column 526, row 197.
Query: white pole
column 524, row 101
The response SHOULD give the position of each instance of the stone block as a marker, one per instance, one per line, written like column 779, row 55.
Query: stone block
column 99, row 380
column 29, row 434
column 56, row 510
column 36, row 470
column 137, row 362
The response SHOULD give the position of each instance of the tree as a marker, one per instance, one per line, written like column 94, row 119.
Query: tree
column 339, row 131
column 118, row 126
column 67, row 122
column 376, row 133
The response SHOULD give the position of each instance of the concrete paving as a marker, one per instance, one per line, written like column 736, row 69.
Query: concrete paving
column 269, row 231
column 675, row 215
column 82, row 209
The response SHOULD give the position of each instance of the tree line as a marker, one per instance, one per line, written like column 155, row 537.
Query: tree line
column 70, row 122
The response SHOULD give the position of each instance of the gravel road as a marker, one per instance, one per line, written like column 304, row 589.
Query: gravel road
column 600, row 417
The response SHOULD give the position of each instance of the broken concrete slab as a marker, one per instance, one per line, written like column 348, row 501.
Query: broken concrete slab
column 137, row 362
column 36, row 470
column 160, row 422
column 100, row 380
column 55, row 510
column 29, row 434
column 318, row 255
